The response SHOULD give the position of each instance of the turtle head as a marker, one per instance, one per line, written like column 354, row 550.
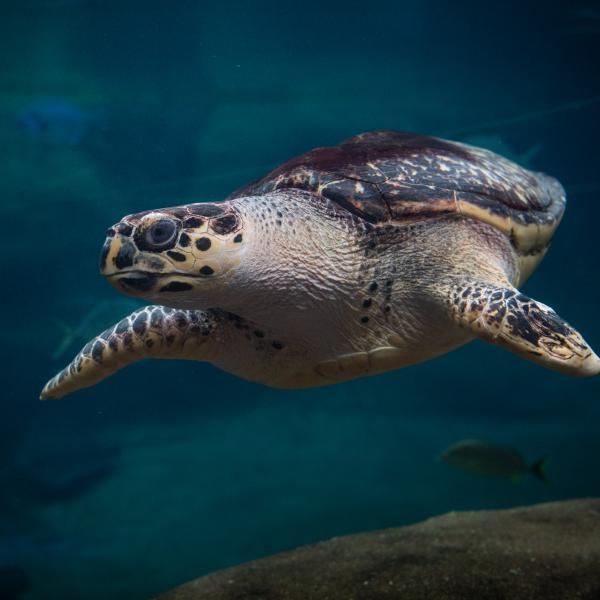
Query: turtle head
column 174, row 256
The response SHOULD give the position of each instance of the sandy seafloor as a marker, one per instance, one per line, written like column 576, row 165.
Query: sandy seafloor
column 171, row 470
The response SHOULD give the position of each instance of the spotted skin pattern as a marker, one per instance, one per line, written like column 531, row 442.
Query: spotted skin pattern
column 204, row 230
column 166, row 333
column 531, row 329
column 150, row 331
column 206, row 244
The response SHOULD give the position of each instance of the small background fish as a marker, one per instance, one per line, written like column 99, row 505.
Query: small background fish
column 57, row 121
column 492, row 460
column 102, row 315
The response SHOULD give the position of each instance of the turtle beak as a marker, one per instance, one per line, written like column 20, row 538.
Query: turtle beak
column 134, row 283
column 117, row 259
column 117, row 255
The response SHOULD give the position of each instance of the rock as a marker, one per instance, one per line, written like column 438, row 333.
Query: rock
column 547, row 552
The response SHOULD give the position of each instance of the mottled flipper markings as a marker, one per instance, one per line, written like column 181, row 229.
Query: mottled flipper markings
column 504, row 316
column 153, row 331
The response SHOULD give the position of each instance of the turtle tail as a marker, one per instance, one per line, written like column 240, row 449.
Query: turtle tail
column 153, row 331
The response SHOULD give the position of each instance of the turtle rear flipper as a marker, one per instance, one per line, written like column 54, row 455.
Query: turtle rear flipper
column 504, row 316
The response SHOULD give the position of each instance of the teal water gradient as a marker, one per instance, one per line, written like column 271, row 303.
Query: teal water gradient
column 171, row 470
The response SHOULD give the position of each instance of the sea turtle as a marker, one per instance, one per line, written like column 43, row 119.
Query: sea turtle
column 386, row 250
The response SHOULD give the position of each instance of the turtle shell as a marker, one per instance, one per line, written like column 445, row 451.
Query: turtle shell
column 394, row 176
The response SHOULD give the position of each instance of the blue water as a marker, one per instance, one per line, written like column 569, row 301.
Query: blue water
column 168, row 470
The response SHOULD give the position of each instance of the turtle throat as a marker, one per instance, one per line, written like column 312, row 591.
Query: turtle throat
column 299, row 264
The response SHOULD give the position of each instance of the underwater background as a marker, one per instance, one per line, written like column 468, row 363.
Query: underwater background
column 170, row 470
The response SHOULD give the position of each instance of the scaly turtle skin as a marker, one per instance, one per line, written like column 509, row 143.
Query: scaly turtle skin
column 384, row 251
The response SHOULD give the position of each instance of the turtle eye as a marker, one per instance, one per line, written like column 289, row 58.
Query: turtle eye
column 160, row 234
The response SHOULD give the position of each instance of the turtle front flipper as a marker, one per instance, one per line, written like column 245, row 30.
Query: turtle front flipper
column 504, row 316
column 153, row 331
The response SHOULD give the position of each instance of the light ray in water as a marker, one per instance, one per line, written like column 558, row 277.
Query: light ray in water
column 258, row 170
column 457, row 133
column 522, row 118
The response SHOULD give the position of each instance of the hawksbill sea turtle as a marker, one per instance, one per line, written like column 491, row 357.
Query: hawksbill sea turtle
column 386, row 250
